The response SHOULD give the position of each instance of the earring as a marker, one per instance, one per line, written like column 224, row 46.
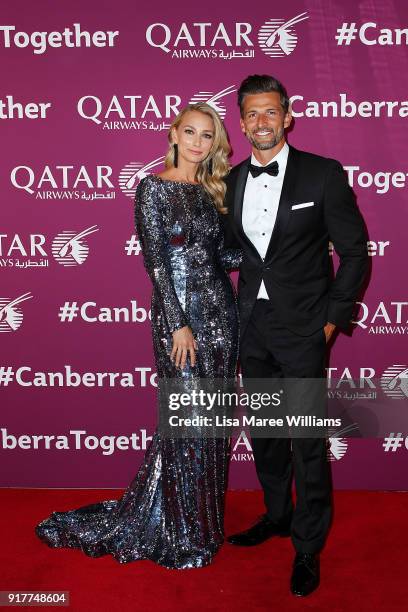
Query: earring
column 210, row 166
column 175, row 147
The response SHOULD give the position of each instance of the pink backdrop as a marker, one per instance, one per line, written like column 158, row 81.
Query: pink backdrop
column 68, row 173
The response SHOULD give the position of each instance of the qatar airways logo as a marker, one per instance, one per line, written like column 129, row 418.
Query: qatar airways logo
column 41, row 42
column 365, row 384
column 11, row 315
column 242, row 448
column 276, row 37
column 65, row 182
column 68, row 248
column 131, row 111
column 151, row 112
column 386, row 318
column 131, row 175
column 337, row 445
column 214, row 99
column 394, row 381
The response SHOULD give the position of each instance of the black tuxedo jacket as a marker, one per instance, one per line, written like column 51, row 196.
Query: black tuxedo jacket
column 297, row 271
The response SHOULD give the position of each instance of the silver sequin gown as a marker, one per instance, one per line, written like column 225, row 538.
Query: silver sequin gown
column 173, row 510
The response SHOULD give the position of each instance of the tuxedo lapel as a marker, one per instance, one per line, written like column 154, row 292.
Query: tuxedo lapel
column 282, row 216
column 239, row 202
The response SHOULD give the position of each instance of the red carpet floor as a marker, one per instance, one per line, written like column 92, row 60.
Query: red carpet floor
column 363, row 566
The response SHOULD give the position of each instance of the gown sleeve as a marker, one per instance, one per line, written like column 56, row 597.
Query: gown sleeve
column 230, row 255
column 230, row 258
column 151, row 232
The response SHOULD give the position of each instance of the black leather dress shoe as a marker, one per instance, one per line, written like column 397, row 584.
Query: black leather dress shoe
column 261, row 531
column 306, row 574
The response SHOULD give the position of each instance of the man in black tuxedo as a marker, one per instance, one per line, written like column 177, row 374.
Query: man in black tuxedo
column 284, row 206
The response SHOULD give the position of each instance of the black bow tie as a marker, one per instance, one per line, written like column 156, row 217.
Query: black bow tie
column 272, row 169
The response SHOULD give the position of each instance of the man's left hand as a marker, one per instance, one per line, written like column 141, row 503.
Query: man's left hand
column 328, row 330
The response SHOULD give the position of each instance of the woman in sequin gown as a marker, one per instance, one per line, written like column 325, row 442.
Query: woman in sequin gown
column 173, row 511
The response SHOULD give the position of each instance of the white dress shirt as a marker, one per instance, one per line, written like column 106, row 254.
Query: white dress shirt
column 260, row 206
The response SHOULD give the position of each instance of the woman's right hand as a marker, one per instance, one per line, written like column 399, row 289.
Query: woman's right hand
column 183, row 342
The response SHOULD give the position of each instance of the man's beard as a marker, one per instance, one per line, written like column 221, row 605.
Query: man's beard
column 264, row 145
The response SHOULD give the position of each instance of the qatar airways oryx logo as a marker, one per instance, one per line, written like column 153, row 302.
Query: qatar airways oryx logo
column 11, row 315
column 215, row 100
column 338, row 441
column 65, row 182
column 389, row 318
column 131, row 175
column 394, row 381
column 337, row 446
column 69, row 248
column 276, row 37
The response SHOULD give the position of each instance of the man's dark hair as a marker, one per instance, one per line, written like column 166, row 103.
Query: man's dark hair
column 261, row 83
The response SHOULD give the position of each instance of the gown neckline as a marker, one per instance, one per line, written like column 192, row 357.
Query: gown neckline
column 179, row 182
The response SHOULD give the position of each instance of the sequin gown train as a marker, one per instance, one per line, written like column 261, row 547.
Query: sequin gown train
column 173, row 510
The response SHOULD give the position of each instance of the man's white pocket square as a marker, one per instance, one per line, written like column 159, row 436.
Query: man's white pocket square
column 303, row 205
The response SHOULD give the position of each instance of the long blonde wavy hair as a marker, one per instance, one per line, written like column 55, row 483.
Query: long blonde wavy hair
column 212, row 183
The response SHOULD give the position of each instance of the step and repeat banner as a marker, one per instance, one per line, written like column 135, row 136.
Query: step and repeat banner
column 87, row 93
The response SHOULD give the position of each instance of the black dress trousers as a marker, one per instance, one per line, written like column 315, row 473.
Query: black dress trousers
column 269, row 350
